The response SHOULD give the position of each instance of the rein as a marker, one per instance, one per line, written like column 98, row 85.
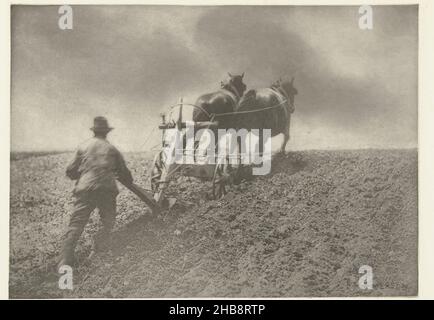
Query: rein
column 249, row 111
column 275, row 89
column 191, row 105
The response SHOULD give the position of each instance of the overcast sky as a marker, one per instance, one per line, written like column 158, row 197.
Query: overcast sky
column 357, row 88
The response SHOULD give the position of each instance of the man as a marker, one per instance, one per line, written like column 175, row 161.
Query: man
column 96, row 166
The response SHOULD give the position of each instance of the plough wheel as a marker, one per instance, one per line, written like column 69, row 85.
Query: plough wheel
column 222, row 179
column 158, row 174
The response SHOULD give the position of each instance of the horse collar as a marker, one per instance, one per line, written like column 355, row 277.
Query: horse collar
column 234, row 91
column 282, row 91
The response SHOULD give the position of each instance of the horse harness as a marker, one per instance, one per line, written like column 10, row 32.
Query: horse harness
column 287, row 98
column 234, row 94
column 281, row 94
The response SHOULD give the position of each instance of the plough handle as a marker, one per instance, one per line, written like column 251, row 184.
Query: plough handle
column 143, row 195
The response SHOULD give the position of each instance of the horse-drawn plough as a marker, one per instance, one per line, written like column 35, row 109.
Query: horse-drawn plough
column 165, row 167
column 182, row 152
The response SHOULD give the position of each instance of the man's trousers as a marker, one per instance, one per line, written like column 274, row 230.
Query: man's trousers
column 105, row 202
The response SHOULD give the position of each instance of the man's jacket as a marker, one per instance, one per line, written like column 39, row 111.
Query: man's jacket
column 96, row 166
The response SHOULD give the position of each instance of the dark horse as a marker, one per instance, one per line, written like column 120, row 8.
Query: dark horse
column 222, row 101
column 278, row 104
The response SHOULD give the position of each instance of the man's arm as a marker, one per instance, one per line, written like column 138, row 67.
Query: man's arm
column 72, row 169
column 123, row 173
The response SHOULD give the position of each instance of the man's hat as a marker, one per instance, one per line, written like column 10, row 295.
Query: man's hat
column 100, row 124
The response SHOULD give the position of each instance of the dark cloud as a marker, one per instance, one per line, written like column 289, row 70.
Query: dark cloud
column 255, row 39
column 99, row 55
column 129, row 62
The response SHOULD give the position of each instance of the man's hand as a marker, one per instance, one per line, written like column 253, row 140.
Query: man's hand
column 72, row 169
column 73, row 175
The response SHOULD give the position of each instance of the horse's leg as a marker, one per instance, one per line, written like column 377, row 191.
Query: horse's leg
column 238, row 174
column 285, row 138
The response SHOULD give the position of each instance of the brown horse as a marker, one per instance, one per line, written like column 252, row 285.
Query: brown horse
column 277, row 103
column 222, row 101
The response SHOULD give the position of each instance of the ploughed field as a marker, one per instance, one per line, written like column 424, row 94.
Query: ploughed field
column 303, row 230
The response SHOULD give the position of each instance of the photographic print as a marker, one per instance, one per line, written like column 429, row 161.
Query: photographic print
column 165, row 151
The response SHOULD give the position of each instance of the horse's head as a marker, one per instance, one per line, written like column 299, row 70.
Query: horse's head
column 288, row 88
column 235, row 83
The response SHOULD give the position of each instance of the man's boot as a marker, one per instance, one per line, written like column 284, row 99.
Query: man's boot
column 67, row 254
column 102, row 241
